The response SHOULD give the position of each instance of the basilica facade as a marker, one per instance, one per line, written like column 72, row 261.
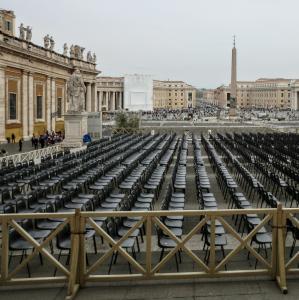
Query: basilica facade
column 33, row 81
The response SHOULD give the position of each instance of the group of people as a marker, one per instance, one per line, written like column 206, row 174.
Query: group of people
column 46, row 139
column 183, row 114
column 43, row 140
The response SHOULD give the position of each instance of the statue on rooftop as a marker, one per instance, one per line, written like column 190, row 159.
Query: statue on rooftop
column 52, row 43
column 94, row 58
column 72, row 51
column 76, row 92
column 65, row 49
column 81, row 52
column 28, row 34
column 89, row 56
column 22, row 32
column 47, row 41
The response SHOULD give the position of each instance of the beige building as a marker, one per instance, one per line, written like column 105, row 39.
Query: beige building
column 7, row 22
column 110, row 92
column 166, row 94
column 221, row 96
column 33, row 82
column 208, row 95
column 173, row 94
column 272, row 93
column 263, row 93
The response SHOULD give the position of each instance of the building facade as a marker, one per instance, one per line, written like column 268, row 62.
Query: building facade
column 173, row 94
column 276, row 93
column 110, row 92
column 33, row 84
column 208, row 96
column 134, row 92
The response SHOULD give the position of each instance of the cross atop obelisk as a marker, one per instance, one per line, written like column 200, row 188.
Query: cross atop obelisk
column 233, row 84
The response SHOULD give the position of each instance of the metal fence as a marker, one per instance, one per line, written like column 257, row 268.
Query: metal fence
column 34, row 155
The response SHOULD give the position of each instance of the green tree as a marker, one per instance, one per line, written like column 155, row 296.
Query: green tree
column 126, row 122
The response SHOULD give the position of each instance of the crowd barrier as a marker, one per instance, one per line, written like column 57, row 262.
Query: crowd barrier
column 79, row 270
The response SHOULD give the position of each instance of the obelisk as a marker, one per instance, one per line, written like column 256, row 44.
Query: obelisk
column 233, row 83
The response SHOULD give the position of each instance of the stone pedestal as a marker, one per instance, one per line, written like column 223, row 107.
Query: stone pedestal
column 94, row 124
column 75, row 127
column 232, row 112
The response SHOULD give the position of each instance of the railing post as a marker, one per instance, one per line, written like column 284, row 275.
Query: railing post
column 148, row 245
column 281, row 271
column 212, row 255
column 82, row 252
column 274, row 252
column 73, row 285
column 4, row 249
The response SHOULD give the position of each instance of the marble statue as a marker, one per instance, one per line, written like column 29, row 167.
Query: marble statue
column 94, row 58
column 89, row 56
column 72, row 51
column 65, row 49
column 52, row 43
column 77, row 51
column 76, row 92
column 22, row 31
column 81, row 52
column 46, row 41
column 28, row 34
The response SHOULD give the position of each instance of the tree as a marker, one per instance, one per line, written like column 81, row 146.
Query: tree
column 126, row 123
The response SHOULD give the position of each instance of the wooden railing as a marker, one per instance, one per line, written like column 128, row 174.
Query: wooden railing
column 146, row 266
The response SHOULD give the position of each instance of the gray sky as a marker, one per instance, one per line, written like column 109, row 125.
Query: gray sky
column 187, row 40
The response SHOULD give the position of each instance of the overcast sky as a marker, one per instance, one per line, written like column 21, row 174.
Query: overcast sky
column 187, row 40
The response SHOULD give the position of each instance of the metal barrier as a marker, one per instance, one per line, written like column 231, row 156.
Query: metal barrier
column 202, row 262
column 31, row 155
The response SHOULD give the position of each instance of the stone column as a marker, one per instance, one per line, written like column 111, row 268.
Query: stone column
column 100, row 101
column 88, row 97
column 2, row 105
column 94, row 106
column 25, row 111
column 30, row 104
column 113, row 100
column 48, row 101
column 53, row 104
column 121, row 100
column 107, row 101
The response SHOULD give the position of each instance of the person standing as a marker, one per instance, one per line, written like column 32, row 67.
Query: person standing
column 32, row 140
column 35, row 141
column 13, row 138
column 20, row 144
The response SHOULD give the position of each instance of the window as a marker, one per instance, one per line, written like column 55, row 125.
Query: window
column 39, row 107
column 12, row 106
column 281, row 94
column 7, row 26
column 59, row 107
column 289, row 95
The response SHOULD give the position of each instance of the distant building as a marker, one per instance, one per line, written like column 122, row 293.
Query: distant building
column 208, row 96
column 111, row 92
column 277, row 93
column 221, row 96
column 140, row 92
column 173, row 94
column 7, row 22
